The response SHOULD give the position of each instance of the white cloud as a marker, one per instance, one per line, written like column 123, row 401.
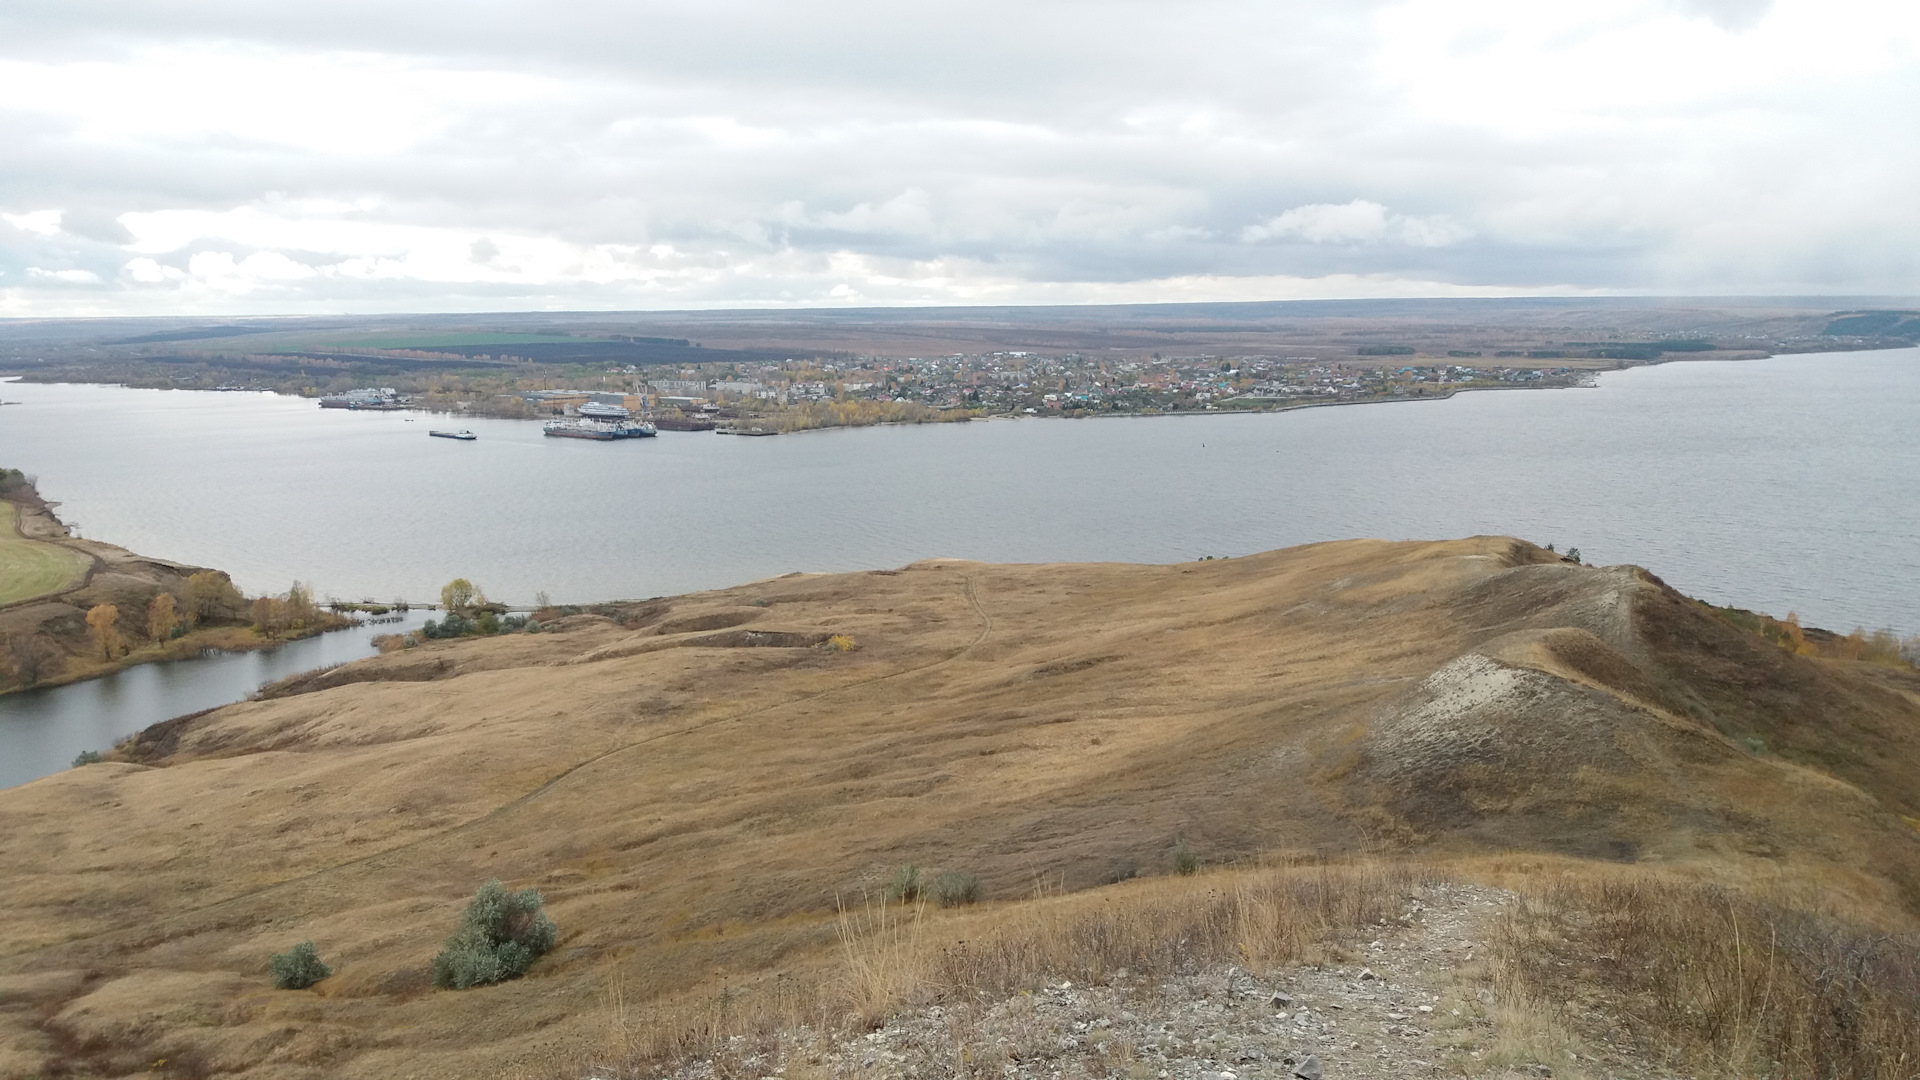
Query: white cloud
column 44, row 222
column 1358, row 222
column 64, row 277
column 148, row 272
column 346, row 104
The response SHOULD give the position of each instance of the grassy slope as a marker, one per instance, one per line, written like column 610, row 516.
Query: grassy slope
column 30, row 568
column 693, row 809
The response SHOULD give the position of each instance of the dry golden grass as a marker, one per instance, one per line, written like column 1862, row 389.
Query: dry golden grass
column 692, row 796
column 1724, row 980
column 889, row 957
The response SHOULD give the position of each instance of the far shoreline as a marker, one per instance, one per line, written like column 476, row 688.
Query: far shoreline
column 1584, row 381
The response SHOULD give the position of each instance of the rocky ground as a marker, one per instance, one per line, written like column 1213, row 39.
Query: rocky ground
column 1418, row 1000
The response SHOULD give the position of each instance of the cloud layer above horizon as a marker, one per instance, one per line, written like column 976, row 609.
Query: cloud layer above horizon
column 223, row 156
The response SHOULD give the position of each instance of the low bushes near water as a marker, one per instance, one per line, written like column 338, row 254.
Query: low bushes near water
column 1882, row 647
column 297, row 968
column 484, row 624
column 501, row 934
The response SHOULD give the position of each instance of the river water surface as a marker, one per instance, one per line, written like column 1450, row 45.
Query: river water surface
column 41, row 731
column 1791, row 483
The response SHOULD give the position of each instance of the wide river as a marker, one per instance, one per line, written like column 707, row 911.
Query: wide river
column 1787, row 484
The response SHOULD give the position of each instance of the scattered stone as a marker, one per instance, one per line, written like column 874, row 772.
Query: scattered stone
column 1182, row 1026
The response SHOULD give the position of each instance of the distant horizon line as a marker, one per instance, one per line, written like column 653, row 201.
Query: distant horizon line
column 1582, row 299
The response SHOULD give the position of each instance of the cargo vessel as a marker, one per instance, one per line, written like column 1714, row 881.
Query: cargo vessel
column 601, row 421
column 373, row 399
column 600, row 430
column 463, row 434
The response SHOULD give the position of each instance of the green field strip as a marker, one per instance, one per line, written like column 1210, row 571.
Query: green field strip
column 30, row 568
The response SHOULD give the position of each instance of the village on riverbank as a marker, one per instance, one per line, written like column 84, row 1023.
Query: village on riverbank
column 789, row 371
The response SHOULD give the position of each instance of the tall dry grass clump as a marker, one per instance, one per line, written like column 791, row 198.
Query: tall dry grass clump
column 1259, row 918
column 889, row 957
column 884, row 960
column 1726, row 981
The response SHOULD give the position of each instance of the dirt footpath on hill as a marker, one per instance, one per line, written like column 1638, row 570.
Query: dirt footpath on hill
column 1417, row 1000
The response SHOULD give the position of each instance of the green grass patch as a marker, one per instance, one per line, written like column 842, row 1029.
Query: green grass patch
column 30, row 568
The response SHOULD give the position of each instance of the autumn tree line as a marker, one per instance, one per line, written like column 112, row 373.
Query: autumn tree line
column 1878, row 647
column 205, row 600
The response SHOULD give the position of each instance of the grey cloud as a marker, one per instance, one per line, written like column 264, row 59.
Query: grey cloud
column 771, row 147
column 95, row 225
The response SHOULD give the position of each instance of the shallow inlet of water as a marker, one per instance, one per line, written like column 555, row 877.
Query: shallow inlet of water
column 41, row 731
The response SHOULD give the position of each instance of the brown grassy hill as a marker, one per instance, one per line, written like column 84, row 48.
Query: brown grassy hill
column 693, row 786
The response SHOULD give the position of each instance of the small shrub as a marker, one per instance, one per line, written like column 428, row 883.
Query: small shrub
column 501, row 934
column 297, row 968
column 907, row 885
column 86, row 757
column 955, row 887
column 1185, row 860
column 840, row 643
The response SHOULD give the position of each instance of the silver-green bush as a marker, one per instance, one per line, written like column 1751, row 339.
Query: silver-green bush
column 501, row 934
column 956, row 887
column 906, row 885
column 297, row 968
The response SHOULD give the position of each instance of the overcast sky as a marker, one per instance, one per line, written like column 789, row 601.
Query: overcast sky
column 397, row 155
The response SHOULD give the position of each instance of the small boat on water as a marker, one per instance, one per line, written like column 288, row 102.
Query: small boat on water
column 463, row 434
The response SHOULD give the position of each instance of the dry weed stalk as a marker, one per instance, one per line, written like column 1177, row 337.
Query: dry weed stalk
column 883, row 959
column 1730, row 982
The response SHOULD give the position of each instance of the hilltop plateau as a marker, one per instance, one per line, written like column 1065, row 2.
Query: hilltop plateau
column 700, row 785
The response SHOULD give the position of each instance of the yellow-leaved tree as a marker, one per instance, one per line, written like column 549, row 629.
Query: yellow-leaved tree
column 100, row 620
column 459, row 595
column 210, row 595
column 161, row 617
